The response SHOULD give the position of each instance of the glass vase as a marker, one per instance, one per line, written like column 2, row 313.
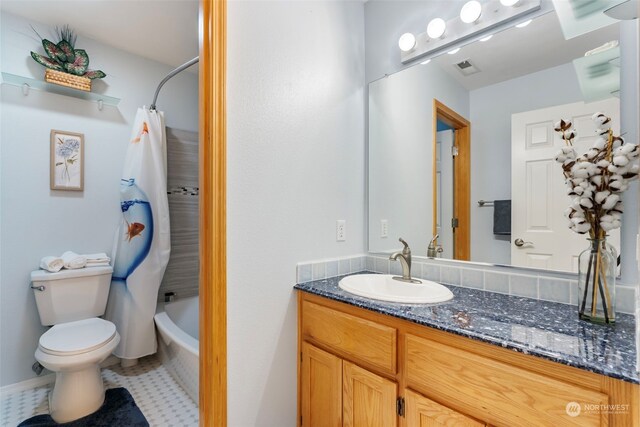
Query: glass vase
column 596, row 282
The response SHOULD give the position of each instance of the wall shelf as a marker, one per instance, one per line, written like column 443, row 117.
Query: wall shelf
column 599, row 74
column 27, row 84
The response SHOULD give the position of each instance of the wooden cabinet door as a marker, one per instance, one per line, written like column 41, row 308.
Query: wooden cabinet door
column 321, row 388
column 368, row 399
column 423, row 412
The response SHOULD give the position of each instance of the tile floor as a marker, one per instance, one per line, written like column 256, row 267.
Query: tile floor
column 159, row 397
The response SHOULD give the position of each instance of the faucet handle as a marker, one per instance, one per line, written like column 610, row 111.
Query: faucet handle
column 406, row 248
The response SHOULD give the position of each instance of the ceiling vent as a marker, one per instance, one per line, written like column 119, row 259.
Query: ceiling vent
column 466, row 68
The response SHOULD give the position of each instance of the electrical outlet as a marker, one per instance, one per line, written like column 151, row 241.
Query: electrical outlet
column 341, row 230
column 384, row 228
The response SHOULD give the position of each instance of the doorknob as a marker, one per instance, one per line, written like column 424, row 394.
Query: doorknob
column 520, row 243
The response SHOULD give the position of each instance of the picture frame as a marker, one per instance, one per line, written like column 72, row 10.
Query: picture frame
column 67, row 161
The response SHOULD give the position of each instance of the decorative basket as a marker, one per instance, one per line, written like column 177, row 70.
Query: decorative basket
column 68, row 80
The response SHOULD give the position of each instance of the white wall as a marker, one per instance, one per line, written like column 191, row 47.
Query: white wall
column 401, row 153
column 491, row 109
column 37, row 221
column 295, row 165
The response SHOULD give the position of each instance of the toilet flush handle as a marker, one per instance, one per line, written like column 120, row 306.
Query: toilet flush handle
column 38, row 288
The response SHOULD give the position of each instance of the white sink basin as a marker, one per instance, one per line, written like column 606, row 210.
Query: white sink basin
column 383, row 287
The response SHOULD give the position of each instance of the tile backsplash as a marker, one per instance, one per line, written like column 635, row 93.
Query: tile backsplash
column 556, row 287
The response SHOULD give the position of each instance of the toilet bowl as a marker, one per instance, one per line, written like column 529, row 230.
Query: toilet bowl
column 74, row 351
column 71, row 301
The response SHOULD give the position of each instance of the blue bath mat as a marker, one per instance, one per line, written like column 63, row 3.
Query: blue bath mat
column 119, row 409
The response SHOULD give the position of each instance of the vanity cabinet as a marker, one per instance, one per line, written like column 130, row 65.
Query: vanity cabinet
column 362, row 368
column 335, row 392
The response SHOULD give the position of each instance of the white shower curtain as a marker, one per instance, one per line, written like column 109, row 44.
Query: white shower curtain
column 142, row 243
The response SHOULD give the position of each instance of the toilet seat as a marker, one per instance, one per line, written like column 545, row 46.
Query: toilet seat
column 72, row 338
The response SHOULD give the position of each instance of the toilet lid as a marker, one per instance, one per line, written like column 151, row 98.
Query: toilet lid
column 77, row 337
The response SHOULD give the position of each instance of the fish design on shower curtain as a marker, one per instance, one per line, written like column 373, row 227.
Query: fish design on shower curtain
column 142, row 242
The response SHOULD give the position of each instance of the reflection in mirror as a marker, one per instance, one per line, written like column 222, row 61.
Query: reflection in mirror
column 510, row 89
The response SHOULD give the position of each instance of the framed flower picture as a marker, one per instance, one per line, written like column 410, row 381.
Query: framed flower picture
column 67, row 161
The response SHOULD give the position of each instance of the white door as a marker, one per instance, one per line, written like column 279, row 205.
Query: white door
column 539, row 196
column 444, row 177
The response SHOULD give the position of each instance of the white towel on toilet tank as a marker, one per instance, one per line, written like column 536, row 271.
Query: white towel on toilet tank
column 96, row 260
column 72, row 260
column 52, row 264
column 142, row 242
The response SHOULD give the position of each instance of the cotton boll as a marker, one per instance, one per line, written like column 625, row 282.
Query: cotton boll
column 607, row 218
column 587, row 193
column 606, row 226
column 634, row 152
column 578, row 214
column 582, row 228
column 581, row 173
column 561, row 158
column 620, row 160
column 584, row 184
column 562, row 125
column 586, row 203
column 615, row 185
column 603, row 163
column 601, row 131
column 600, row 143
column 601, row 196
column 591, row 153
column 615, row 215
column 597, row 180
column 610, row 201
column 599, row 118
column 624, row 187
column 617, row 223
column 592, row 169
column 568, row 150
column 575, row 191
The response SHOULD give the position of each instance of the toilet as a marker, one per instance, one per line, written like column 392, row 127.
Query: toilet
column 70, row 301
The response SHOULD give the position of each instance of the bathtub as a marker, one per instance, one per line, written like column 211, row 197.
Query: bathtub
column 177, row 324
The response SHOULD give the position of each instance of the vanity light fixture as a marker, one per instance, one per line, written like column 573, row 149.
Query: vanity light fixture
column 509, row 2
column 524, row 24
column 470, row 12
column 436, row 28
column 454, row 51
column 407, row 42
column 486, row 39
column 485, row 16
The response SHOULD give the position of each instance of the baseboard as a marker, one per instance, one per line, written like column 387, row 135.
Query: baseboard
column 28, row 384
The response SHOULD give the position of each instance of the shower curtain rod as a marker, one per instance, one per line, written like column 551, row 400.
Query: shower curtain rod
column 171, row 74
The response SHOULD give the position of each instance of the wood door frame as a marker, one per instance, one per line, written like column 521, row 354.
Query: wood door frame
column 213, row 185
column 461, row 174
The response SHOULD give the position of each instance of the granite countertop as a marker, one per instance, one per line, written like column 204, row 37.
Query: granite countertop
column 540, row 328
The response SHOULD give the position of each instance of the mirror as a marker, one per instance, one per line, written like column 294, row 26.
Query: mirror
column 463, row 146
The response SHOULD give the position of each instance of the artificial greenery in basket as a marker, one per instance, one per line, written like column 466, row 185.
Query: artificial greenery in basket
column 64, row 57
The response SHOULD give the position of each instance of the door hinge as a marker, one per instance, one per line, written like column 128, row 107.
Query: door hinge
column 454, row 151
column 400, row 406
column 454, row 222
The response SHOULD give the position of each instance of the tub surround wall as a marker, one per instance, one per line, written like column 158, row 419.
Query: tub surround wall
column 181, row 275
column 545, row 286
column 37, row 221
column 295, row 165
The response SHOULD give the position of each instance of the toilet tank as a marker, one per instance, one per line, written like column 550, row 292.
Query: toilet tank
column 70, row 295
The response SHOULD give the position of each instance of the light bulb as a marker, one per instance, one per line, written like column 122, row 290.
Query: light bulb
column 524, row 24
column 486, row 39
column 426, row 62
column 436, row 28
column 509, row 2
column 407, row 42
column 471, row 11
column 454, row 51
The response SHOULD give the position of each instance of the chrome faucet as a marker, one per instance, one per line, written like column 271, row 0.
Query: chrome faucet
column 405, row 261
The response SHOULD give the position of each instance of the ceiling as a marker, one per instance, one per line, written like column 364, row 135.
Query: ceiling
column 162, row 30
column 519, row 51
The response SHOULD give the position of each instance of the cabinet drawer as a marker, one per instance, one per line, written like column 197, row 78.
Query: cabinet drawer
column 350, row 336
column 498, row 393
